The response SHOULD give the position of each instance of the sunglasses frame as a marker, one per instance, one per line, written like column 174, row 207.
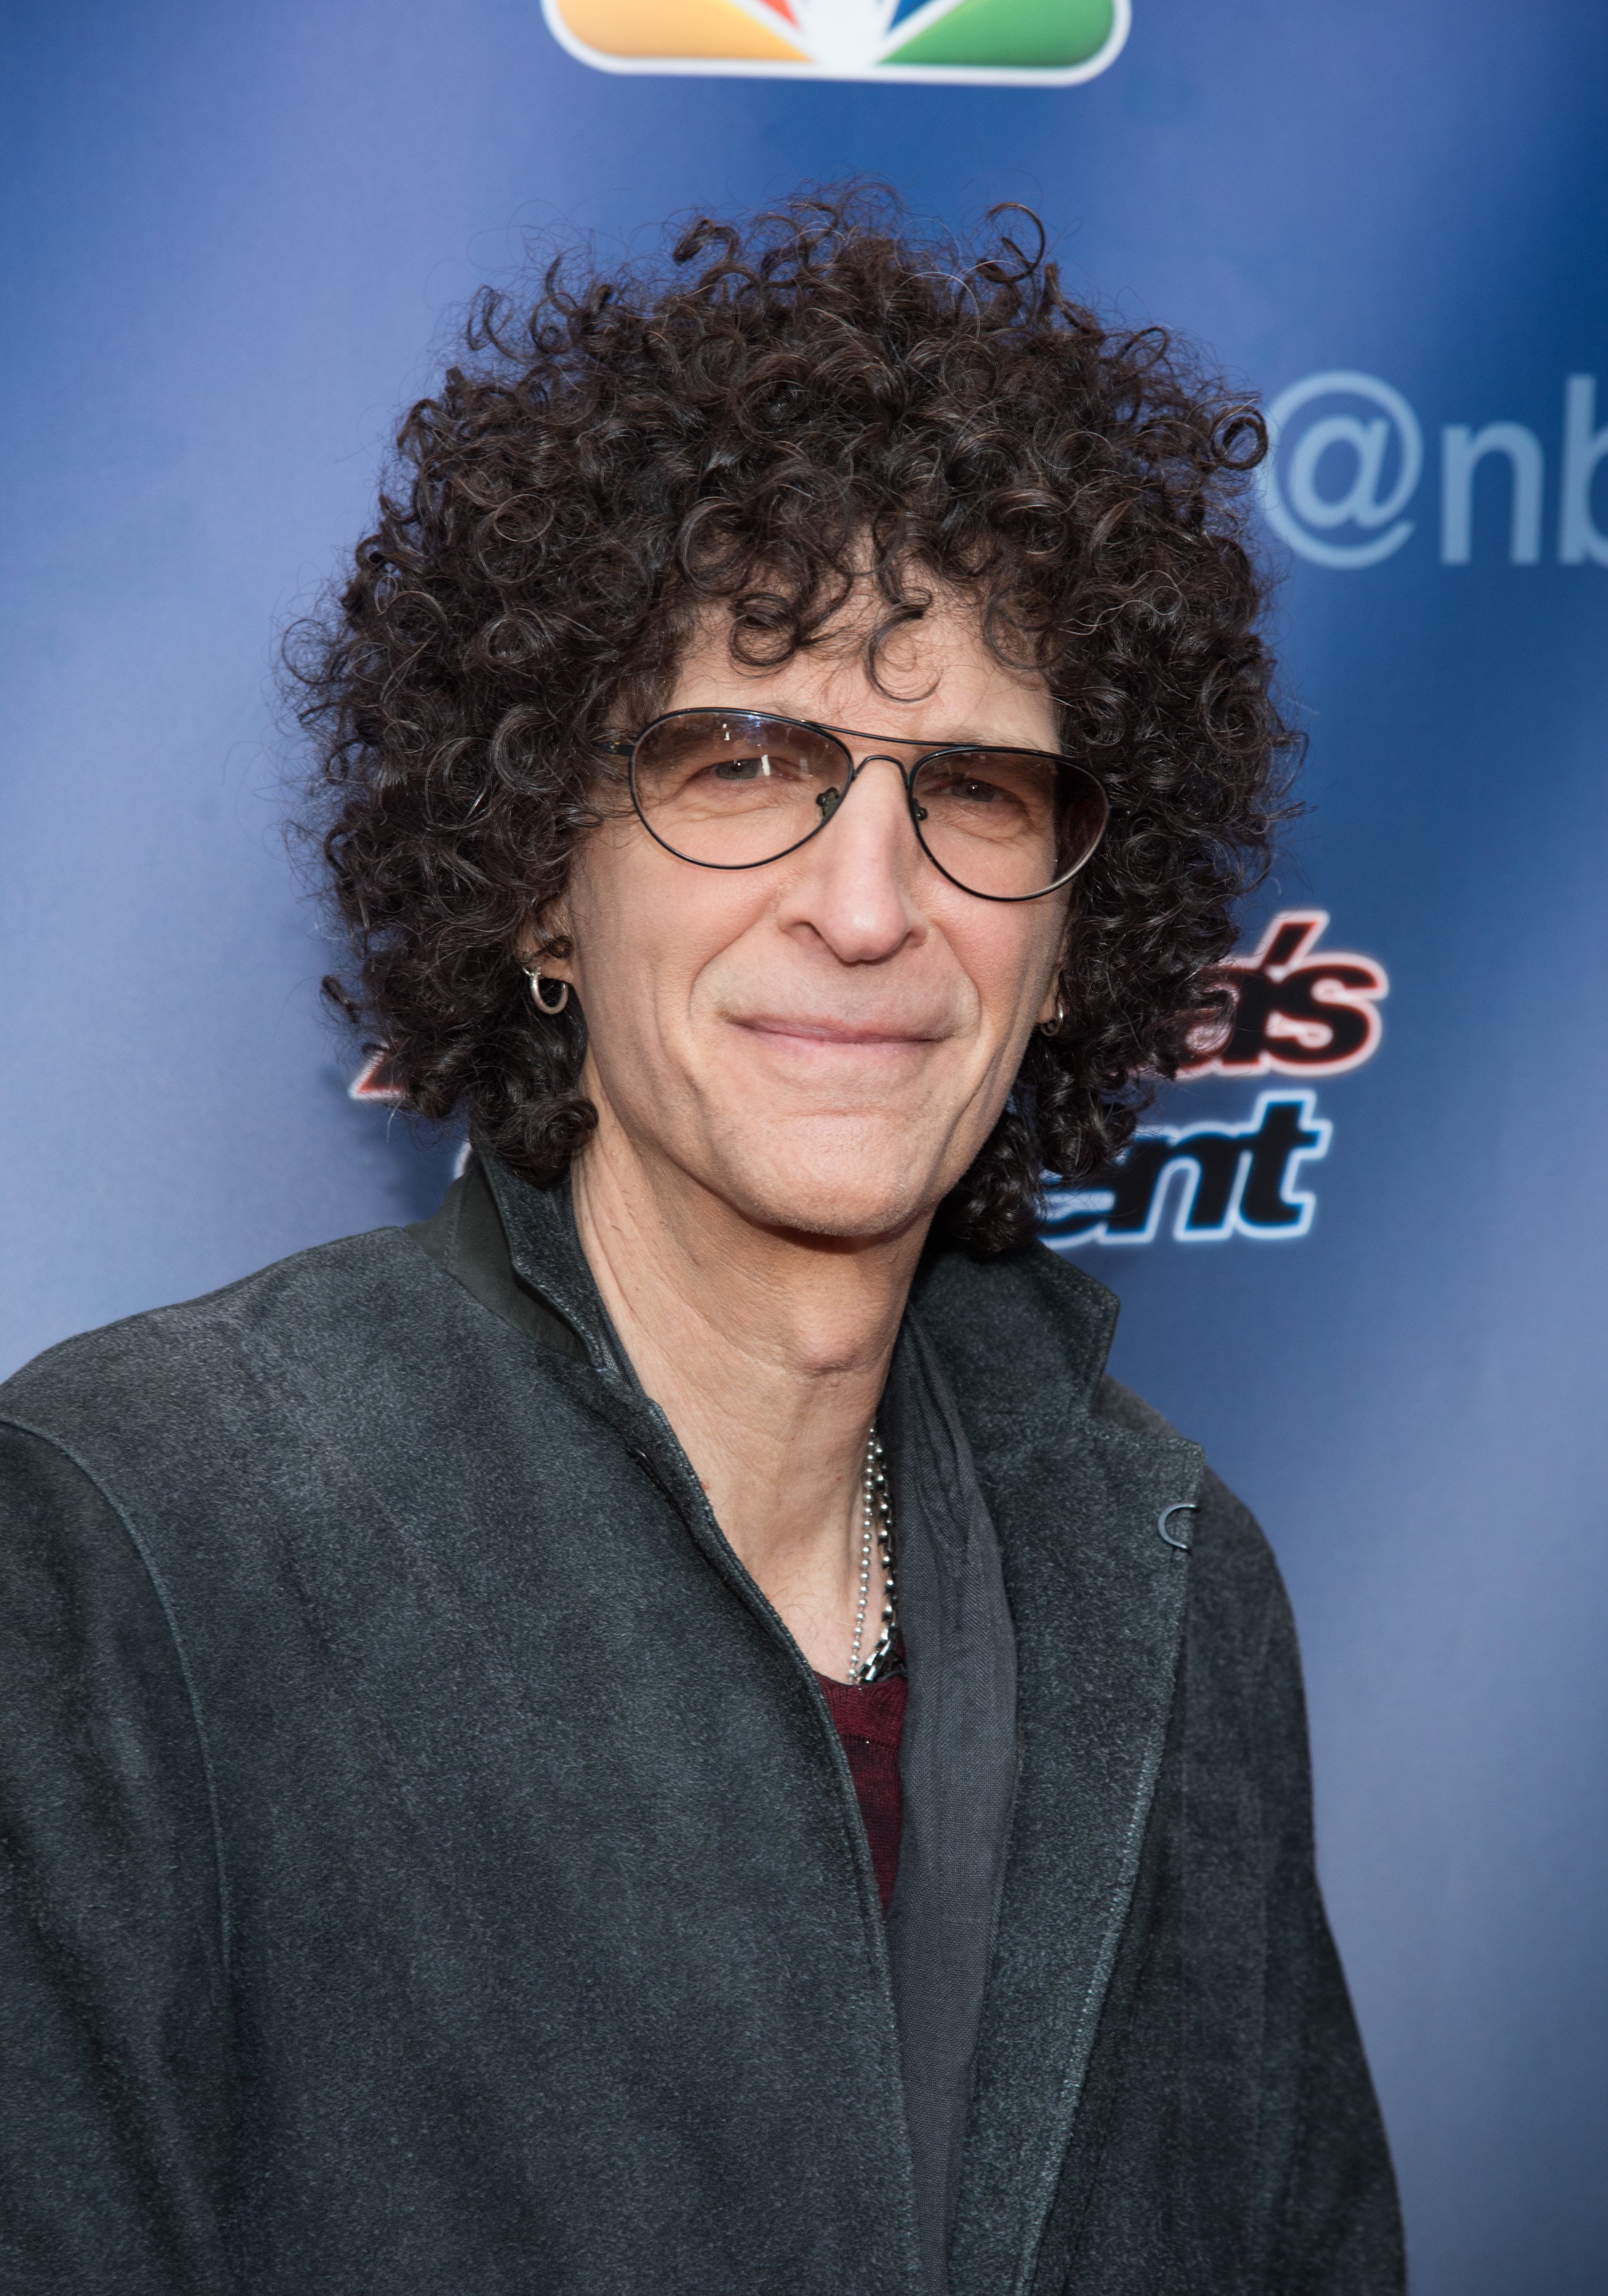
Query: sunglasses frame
column 629, row 747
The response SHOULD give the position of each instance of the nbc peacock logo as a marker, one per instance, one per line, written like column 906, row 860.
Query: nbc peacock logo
column 1019, row 43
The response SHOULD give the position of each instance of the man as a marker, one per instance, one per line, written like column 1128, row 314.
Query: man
column 669, row 1730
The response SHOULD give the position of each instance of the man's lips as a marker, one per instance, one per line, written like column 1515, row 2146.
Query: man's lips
column 832, row 1034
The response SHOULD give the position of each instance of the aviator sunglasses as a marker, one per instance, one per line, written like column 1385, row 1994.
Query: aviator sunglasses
column 733, row 789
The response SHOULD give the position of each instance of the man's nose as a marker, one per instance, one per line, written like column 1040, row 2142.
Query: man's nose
column 858, row 891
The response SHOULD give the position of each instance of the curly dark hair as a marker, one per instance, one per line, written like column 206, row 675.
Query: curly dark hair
column 815, row 394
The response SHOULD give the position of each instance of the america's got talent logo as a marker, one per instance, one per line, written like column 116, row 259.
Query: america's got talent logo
column 1024, row 42
column 1296, row 1009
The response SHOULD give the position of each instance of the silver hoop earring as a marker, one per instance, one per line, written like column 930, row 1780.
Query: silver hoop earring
column 1053, row 1028
column 533, row 973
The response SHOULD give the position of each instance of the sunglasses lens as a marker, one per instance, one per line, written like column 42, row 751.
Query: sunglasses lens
column 734, row 788
column 1007, row 824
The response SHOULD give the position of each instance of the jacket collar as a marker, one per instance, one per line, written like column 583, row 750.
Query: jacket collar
column 544, row 1251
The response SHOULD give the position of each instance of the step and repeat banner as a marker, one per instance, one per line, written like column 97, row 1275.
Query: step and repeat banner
column 1362, row 1249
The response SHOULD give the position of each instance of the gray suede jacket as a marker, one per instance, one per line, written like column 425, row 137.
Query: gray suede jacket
column 427, row 1866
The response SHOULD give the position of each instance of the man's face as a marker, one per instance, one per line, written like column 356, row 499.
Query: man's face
column 824, row 1042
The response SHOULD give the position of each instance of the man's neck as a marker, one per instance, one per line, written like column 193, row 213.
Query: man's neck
column 767, row 1353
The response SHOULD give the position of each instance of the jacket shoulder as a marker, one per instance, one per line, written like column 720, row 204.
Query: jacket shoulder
column 312, row 1302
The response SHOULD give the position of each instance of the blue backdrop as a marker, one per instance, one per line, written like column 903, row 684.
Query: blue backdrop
column 235, row 238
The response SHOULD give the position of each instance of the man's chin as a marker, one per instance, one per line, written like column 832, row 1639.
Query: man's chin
column 837, row 1206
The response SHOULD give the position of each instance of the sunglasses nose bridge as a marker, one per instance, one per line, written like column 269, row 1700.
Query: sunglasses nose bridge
column 857, row 765
column 907, row 774
column 883, row 757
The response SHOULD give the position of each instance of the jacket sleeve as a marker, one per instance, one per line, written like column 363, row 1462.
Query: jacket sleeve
column 1331, row 2225
column 115, row 2108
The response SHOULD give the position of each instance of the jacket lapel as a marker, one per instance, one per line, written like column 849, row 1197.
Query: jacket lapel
column 1095, row 1582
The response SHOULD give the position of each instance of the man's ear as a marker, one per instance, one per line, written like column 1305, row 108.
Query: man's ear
column 1054, row 1002
column 547, row 941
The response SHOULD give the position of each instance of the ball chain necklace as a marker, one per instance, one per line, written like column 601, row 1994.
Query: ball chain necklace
column 876, row 1529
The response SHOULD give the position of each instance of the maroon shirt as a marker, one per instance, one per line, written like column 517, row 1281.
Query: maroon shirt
column 870, row 1722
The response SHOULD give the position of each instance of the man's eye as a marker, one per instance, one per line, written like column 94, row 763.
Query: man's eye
column 742, row 769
